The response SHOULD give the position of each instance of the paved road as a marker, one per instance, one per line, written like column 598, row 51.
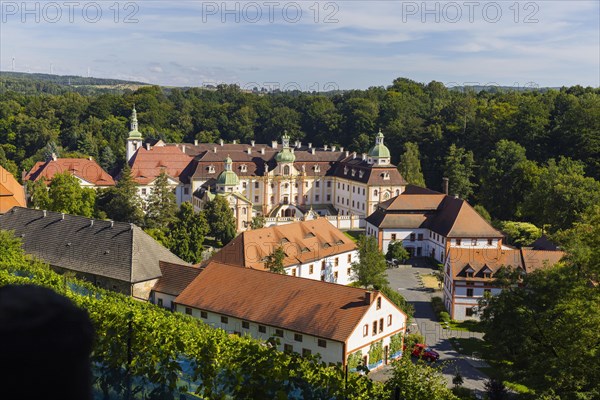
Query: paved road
column 405, row 281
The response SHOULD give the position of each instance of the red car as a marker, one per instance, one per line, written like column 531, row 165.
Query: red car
column 423, row 351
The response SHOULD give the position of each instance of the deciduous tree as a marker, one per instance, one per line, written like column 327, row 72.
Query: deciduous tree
column 410, row 165
column 370, row 268
column 220, row 219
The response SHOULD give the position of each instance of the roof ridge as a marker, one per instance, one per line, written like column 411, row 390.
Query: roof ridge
column 286, row 276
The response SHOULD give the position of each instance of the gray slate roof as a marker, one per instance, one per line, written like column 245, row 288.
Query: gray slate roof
column 116, row 250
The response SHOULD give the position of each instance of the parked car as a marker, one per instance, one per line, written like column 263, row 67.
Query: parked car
column 425, row 352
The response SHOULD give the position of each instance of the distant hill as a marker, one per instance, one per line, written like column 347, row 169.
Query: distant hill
column 55, row 84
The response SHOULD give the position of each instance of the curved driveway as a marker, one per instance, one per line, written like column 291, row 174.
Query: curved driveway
column 405, row 280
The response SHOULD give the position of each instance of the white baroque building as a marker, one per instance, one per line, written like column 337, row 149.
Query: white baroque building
column 280, row 180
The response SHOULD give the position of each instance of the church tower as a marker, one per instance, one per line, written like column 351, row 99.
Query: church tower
column 379, row 154
column 135, row 139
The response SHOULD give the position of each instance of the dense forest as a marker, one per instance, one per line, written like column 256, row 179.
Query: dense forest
column 521, row 155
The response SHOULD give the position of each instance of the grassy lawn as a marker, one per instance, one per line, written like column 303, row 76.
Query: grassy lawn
column 354, row 234
column 467, row 326
column 430, row 281
column 470, row 346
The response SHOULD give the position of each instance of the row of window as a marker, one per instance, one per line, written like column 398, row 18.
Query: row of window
column 298, row 337
column 474, row 242
column 377, row 328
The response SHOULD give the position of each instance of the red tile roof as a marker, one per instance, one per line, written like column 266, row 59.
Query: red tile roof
column 312, row 307
column 11, row 192
column 448, row 216
column 175, row 278
column 146, row 165
column 302, row 242
column 478, row 260
column 83, row 168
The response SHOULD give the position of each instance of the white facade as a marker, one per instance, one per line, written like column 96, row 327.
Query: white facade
column 380, row 323
column 461, row 298
column 389, row 321
column 425, row 242
column 330, row 351
column 335, row 269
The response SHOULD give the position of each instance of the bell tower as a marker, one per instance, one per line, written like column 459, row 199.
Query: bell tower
column 135, row 139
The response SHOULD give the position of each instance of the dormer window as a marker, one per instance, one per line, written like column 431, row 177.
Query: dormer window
column 243, row 168
column 309, row 235
column 353, row 172
column 361, row 173
column 386, row 175
column 345, row 170
column 211, row 169
column 317, row 168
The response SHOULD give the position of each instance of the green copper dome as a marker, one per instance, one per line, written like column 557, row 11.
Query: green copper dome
column 379, row 150
column 285, row 155
column 228, row 177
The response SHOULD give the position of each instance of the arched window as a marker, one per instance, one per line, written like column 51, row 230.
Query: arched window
column 286, row 170
column 376, row 192
column 397, row 192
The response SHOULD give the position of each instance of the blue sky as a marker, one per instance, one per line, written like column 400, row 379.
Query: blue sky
column 311, row 45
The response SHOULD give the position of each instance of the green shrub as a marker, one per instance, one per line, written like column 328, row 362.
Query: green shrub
column 411, row 340
column 444, row 316
column 463, row 393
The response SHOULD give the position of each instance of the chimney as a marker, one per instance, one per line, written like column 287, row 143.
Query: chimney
column 215, row 149
column 369, row 297
column 310, row 145
column 364, row 156
column 252, row 142
column 235, row 141
column 312, row 150
column 347, row 153
column 91, row 158
column 353, row 155
column 221, row 142
column 341, row 149
column 249, row 150
column 148, row 146
column 62, row 217
column 274, row 144
column 131, row 226
column 456, row 196
column 53, row 156
column 183, row 148
column 45, row 213
column 196, row 142
column 91, row 223
column 325, row 147
column 445, row 185
column 112, row 223
column 333, row 148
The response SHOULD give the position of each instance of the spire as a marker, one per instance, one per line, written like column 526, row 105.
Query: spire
column 228, row 162
column 285, row 139
column 134, row 121
column 134, row 133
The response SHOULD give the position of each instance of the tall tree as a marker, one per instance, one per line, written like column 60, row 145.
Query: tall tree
column 221, row 220
column 161, row 205
column 38, row 194
column 547, row 327
column 410, row 165
column 370, row 267
column 257, row 222
column 418, row 381
column 502, row 180
column 458, row 167
column 396, row 251
column 274, row 261
column 66, row 195
column 186, row 234
column 560, row 193
column 125, row 204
